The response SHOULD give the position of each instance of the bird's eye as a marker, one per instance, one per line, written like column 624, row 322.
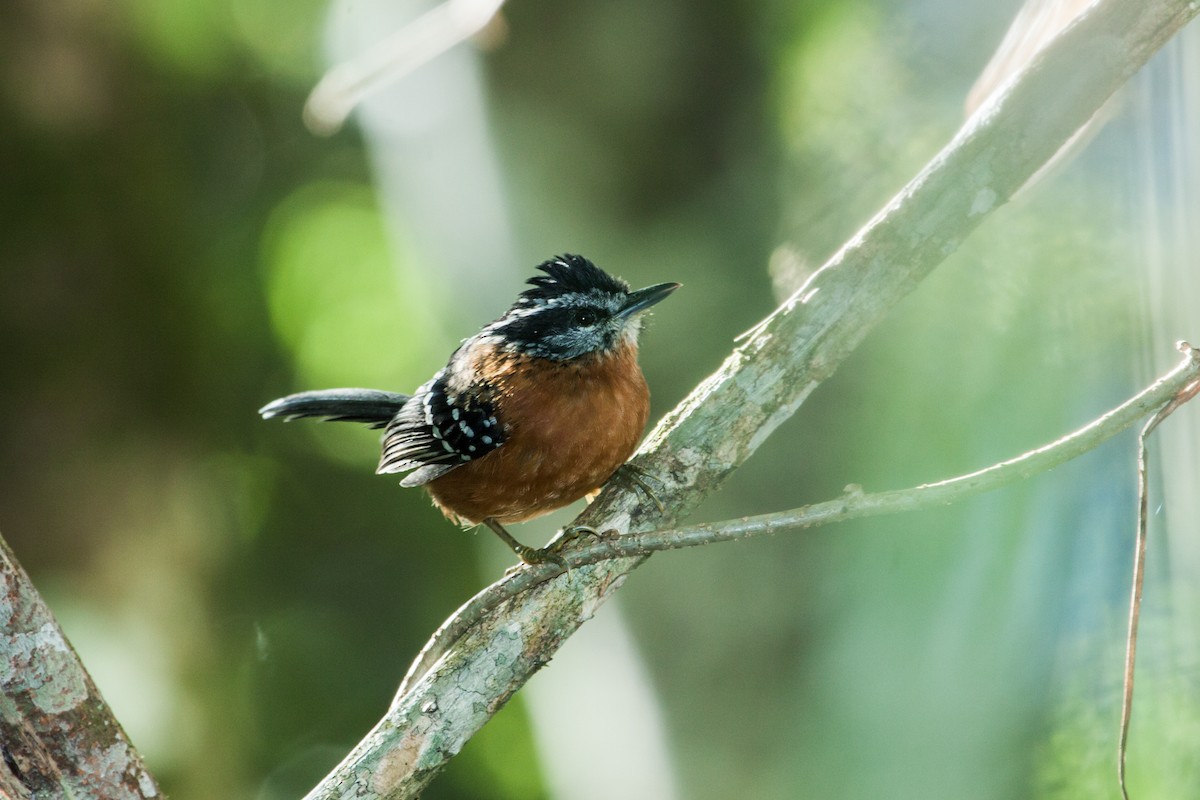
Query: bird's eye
column 586, row 317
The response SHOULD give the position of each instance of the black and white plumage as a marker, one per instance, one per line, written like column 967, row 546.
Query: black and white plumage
column 438, row 430
column 574, row 309
column 427, row 434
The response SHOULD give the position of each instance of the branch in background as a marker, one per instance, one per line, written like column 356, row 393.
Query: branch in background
column 346, row 85
column 765, row 380
column 58, row 737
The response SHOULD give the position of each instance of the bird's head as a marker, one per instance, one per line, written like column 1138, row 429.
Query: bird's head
column 573, row 310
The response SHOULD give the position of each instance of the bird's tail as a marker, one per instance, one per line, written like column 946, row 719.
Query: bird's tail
column 370, row 406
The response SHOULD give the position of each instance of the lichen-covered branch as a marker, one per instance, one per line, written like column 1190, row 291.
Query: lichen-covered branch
column 58, row 738
column 765, row 380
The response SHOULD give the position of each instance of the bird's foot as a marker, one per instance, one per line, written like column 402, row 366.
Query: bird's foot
column 554, row 553
column 577, row 533
column 541, row 555
column 529, row 555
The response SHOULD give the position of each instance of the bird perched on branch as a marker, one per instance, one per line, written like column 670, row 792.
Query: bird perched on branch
column 535, row 411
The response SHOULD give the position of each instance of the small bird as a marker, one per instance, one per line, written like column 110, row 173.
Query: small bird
column 535, row 411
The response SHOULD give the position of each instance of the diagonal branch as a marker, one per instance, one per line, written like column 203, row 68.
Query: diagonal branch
column 1164, row 395
column 765, row 380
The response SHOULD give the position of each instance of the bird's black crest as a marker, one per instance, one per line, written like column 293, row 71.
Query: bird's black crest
column 569, row 273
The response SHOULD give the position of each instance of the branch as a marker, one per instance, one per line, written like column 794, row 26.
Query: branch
column 1164, row 395
column 764, row 381
column 58, row 737
column 346, row 85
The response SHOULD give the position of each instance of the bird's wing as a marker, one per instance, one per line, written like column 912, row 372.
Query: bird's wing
column 436, row 432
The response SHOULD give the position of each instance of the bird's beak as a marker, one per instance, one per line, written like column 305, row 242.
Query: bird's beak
column 644, row 298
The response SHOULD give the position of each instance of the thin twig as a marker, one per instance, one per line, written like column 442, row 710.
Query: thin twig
column 1139, row 570
column 1165, row 394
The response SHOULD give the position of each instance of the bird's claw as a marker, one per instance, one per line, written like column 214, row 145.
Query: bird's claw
column 577, row 532
column 638, row 478
column 550, row 554
column 553, row 553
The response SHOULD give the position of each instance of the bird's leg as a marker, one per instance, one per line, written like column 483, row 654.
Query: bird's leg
column 530, row 555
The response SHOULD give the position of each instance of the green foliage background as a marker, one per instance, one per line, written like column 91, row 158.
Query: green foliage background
column 177, row 250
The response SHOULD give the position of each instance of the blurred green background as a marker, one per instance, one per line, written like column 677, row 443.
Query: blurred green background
column 176, row 250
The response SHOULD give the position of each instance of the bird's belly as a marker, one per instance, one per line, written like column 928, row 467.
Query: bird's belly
column 512, row 484
column 565, row 439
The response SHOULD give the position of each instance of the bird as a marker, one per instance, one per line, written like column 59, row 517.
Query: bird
column 538, row 409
